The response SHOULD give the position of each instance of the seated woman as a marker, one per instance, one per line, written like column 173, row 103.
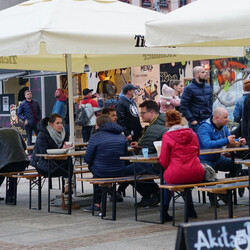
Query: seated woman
column 103, row 154
column 180, row 158
column 52, row 136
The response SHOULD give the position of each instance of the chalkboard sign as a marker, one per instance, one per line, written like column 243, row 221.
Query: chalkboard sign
column 218, row 234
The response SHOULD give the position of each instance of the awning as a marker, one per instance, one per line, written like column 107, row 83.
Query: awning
column 11, row 75
column 44, row 74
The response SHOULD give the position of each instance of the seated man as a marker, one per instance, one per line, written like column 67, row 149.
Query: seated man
column 13, row 158
column 103, row 154
column 213, row 133
column 153, row 132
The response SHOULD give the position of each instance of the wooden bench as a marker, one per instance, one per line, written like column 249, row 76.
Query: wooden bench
column 186, row 187
column 224, row 188
column 108, row 184
column 10, row 174
column 35, row 180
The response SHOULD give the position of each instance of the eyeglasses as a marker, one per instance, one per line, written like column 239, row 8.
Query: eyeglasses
column 143, row 113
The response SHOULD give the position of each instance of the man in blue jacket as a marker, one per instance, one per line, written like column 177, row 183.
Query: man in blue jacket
column 197, row 99
column 213, row 133
column 29, row 111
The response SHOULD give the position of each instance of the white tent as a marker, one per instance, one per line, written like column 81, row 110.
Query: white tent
column 202, row 23
column 65, row 35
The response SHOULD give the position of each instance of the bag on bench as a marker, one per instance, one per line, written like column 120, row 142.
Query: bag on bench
column 210, row 174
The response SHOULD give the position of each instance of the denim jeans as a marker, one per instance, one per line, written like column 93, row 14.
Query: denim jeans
column 86, row 132
column 29, row 129
column 224, row 164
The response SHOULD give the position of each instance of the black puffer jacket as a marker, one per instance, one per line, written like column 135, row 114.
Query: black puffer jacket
column 12, row 147
column 44, row 142
column 197, row 101
column 105, row 149
column 128, row 117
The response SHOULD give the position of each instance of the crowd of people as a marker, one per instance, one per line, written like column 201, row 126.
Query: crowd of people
column 110, row 133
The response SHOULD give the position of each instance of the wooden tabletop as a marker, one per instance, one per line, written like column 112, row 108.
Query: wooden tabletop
column 56, row 156
column 222, row 150
column 153, row 158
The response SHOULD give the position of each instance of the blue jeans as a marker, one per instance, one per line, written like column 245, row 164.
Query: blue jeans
column 29, row 129
column 224, row 164
column 86, row 132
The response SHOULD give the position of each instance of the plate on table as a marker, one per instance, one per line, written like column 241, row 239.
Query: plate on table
column 57, row 151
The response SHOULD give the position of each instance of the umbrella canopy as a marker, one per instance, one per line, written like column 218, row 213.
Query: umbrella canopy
column 103, row 34
column 64, row 35
column 202, row 23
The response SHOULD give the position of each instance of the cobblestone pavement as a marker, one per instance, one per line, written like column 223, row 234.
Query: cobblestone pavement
column 22, row 228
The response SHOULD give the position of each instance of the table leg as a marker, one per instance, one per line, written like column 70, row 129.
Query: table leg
column 135, row 192
column 70, row 185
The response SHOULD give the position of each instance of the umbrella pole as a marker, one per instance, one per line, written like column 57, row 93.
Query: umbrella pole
column 70, row 98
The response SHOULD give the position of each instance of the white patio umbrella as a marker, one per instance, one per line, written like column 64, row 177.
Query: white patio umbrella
column 44, row 34
column 202, row 23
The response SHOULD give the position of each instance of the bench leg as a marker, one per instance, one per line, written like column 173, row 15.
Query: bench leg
column 204, row 197
column 173, row 222
column 230, row 204
column 215, row 206
column 114, row 202
column 161, row 206
column 186, row 205
column 39, row 193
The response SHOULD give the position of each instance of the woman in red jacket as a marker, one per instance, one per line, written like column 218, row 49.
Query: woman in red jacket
column 180, row 157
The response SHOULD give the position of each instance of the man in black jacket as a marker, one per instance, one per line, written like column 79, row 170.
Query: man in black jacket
column 127, row 113
column 13, row 158
column 197, row 99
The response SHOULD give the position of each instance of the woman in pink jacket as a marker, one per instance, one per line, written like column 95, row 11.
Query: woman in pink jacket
column 180, row 157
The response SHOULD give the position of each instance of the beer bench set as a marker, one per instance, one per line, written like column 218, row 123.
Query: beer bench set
column 221, row 186
column 109, row 185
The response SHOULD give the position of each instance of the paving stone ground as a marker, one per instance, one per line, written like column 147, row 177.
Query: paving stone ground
column 23, row 228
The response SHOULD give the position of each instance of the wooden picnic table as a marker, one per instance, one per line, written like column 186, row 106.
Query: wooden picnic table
column 67, row 156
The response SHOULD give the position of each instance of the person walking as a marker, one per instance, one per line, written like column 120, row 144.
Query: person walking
column 60, row 104
column 29, row 111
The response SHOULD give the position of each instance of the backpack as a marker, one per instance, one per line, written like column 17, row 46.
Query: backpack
column 82, row 118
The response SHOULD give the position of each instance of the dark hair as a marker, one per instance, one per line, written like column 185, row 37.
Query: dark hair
column 150, row 105
column 174, row 83
column 101, row 73
column 53, row 117
column 102, row 119
column 106, row 111
column 173, row 117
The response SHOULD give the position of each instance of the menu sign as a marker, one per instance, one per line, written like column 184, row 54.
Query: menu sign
column 146, row 3
column 219, row 234
column 163, row 3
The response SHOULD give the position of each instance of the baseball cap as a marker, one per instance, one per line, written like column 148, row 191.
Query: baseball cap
column 128, row 87
column 86, row 91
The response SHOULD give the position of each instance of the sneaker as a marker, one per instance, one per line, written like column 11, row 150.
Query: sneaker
column 211, row 200
column 192, row 213
column 145, row 202
column 167, row 217
column 118, row 197
column 154, row 200
column 10, row 199
column 97, row 208
column 224, row 198
column 1, row 198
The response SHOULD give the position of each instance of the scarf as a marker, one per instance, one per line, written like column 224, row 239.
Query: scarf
column 57, row 137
